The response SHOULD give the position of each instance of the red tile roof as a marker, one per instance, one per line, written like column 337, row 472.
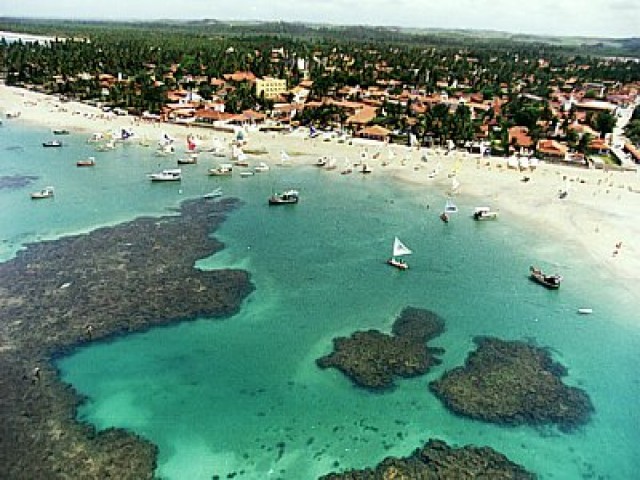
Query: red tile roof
column 521, row 136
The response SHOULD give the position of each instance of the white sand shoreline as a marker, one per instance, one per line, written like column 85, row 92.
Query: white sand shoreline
column 601, row 210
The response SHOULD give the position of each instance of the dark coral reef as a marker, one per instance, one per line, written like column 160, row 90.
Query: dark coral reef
column 56, row 295
column 372, row 359
column 16, row 181
column 437, row 461
column 513, row 383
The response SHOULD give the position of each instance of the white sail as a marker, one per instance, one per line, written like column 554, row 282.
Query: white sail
column 455, row 184
column 399, row 248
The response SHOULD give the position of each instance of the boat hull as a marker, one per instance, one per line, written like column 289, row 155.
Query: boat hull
column 165, row 179
column 277, row 200
column 485, row 216
column 551, row 282
column 400, row 265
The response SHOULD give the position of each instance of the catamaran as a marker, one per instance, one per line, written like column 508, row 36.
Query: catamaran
column 399, row 249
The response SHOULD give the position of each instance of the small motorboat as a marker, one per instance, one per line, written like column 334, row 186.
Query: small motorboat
column 284, row 198
column 484, row 213
column 247, row 173
column 585, row 311
column 52, row 143
column 61, row 131
column 214, row 193
column 88, row 162
column 170, row 175
column 190, row 160
column 224, row 170
column 549, row 281
column 261, row 167
column 46, row 192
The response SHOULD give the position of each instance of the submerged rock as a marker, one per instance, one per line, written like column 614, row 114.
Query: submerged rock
column 16, row 181
column 59, row 294
column 436, row 460
column 372, row 359
column 514, row 383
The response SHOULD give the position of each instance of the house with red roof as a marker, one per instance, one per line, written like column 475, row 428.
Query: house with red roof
column 552, row 149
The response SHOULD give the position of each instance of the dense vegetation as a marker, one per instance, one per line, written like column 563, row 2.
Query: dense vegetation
column 156, row 57
column 632, row 130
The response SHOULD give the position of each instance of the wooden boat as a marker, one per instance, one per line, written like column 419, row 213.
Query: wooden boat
column 190, row 160
column 60, row 131
column 285, row 198
column 46, row 192
column 399, row 249
column 224, row 170
column 89, row 162
column 484, row 213
column 549, row 281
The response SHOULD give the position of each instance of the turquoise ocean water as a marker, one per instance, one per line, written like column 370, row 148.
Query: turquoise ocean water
column 244, row 395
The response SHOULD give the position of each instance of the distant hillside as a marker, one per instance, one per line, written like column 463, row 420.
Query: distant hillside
column 626, row 47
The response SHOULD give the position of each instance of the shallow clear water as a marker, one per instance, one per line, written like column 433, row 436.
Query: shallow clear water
column 244, row 395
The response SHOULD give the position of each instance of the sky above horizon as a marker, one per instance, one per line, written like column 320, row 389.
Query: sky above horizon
column 593, row 18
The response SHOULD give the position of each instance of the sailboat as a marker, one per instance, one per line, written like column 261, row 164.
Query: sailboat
column 399, row 249
column 449, row 208
column 192, row 145
column 285, row 160
column 455, row 185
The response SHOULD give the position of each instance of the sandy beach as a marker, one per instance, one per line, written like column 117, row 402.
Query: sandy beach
column 599, row 215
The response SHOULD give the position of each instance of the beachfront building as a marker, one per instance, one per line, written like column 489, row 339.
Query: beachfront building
column 552, row 149
column 519, row 139
column 270, row 87
column 375, row 132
